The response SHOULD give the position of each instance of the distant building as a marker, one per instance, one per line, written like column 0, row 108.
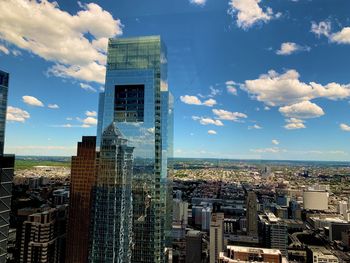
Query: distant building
column 216, row 236
column 274, row 232
column 343, row 208
column 206, row 218
column 83, row 177
column 43, row 237
column 236, row 254
column 180, row 212
column 60, row 196
column 321, row 255
column 315, row 200
column 252, row 214
column 194, row 243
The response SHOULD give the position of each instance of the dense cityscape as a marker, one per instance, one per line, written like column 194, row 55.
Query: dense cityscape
column 134, row 190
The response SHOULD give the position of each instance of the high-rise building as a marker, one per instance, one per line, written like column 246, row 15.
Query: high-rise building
column 83, row 178
column 137, row 100
column 7, row 163
column 216, row 236
column 274, row 232
column 112, row 200
column 194, row 246
column 252, row 214
column 4, row 83
column 43, row 237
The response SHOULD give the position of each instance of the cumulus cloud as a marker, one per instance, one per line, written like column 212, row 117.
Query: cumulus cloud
column 344, row 127
column 76, row 43
column 194, row 100
column 91, row 113
column 255, row 127
column 275, row 142
column 89, row 121
column 53, row 106
column 230, row 87
column 249, row 13
column 16, row 114
column 212, row 132
column 32, row 101
column 228, row 115
column 323, row 28
column 207, row 121
column 289, row 48
column 302, row 110
column 4, row 49
column 87, row 87
column 198, row 2
column 294, row 124
column 276, row 89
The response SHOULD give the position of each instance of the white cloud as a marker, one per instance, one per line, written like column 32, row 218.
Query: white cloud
column 294, row 124
column 323, row 28
column 276, row 89
column 209, row 102
column 228, row 115
column 198, row 2
column 289, row 48
column 267, row 150
column 212, row 132
column 16, row 114
column 62, row 37
column 194, row 100
column 230, row 87
column 87, row 87
column 255, row 127
column 302, row 110
column 275, row 142
column 207, row 121
column 32, row 101
column 53, row 106
column 91, row 113
column 90, row 121
column 69, row 118
column 344, row 127
column 266, row 108
column 214, row 92
column 4, row 49
column 249, row 13
column 187, row 99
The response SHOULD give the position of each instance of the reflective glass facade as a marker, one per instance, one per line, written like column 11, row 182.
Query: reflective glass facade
column 4, row 81
column 137, row 99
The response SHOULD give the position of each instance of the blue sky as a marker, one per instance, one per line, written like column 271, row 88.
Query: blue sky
column 251, row 79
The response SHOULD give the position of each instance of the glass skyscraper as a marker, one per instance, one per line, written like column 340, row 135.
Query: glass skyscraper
column 137, row 101
column 6, row 171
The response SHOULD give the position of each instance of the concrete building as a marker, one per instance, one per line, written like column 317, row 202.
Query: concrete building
column 252, row 214
column 321, row 255
column 206, row 218
column 194, row 246
column 216, row 236
column 236, row 254
column 315, row 200
column 180, row 212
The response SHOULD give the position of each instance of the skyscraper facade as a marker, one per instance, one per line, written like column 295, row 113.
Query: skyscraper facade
column 252, row 214
column 112, row 200
column 137, row 99
column 7, row 163
column 4, row 82
column 83, row 178
column 216, row 236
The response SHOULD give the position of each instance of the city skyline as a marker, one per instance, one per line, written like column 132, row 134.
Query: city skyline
column 285, row 96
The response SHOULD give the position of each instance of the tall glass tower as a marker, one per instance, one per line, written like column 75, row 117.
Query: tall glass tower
column 137, row 100
column 7, row 163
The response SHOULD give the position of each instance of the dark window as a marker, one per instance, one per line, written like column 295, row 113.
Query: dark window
column 129, row 103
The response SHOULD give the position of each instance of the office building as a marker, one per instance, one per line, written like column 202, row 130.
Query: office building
column 112, row 200
column 43, row 237
column 180, row 212
column 194, row 246
column 206, row 218
column 252, row 214
column 137, row 100
column 315, row 200
column 274, row 232
column 320, row 255
column 6, row 170
column 237, row 254
column 216, row 236
column 83, row 178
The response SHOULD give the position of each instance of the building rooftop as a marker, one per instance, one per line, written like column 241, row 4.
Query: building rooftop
column 254, row 250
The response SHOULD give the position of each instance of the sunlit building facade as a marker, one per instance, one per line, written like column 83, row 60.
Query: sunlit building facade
column 137, row 99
